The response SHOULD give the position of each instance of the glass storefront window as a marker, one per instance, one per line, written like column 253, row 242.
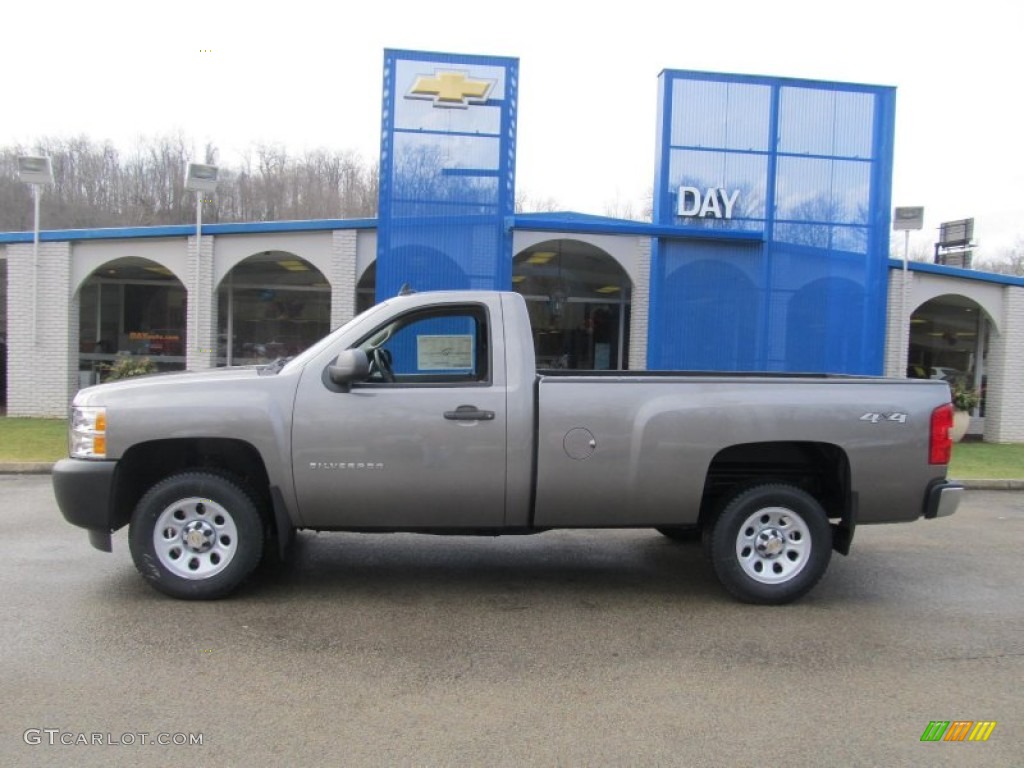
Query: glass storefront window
column 130, row 306
column 948, row 342
column 271, row 305
column 582, row 335
column 578, row 298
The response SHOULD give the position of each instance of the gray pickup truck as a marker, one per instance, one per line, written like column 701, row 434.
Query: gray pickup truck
column 426, row 413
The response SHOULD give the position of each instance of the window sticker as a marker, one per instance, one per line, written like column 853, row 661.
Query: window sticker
column 444, row 353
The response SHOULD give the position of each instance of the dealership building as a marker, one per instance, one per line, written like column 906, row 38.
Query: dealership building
column 768, row 251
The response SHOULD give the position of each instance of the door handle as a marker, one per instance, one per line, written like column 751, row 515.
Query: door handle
column 469, row 413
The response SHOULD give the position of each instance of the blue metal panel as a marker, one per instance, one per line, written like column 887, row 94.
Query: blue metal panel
column 810, row 166
column 447, row 168
column 708, row 307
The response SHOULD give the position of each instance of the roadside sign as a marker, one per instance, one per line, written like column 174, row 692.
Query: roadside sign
column 908, row 218
column 956, row 233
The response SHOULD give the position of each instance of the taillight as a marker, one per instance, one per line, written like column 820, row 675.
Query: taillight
column 940, row 445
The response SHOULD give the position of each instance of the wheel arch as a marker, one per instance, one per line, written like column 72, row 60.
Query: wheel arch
column 820, row 469
column 145, row 464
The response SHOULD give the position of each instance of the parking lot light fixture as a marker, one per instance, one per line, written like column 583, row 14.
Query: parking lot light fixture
column 36, row 171
column 201, row 179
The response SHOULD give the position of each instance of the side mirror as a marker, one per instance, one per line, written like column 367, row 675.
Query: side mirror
column 349, row 366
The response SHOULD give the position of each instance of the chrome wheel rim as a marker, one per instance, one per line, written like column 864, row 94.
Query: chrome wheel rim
column 195, row 538
column 773, row 545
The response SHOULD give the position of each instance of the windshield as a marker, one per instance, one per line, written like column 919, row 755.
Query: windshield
column 301, row 359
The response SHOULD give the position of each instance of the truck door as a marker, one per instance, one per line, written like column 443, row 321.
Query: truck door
column 422, row 441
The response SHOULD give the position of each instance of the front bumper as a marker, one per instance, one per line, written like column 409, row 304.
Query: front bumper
column 84, row 491
column 943, row 499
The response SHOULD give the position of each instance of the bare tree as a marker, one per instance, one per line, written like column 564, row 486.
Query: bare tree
column 525, row 203
column 97, row 186
column 919, row 250
column 1010, row 261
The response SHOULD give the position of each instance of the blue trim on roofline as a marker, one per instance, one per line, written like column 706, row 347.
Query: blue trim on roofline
column 562, row 222
column 186, row 230
column 967, row 274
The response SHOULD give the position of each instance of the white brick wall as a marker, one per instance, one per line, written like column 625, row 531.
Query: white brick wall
column 42, row 367
column 640, row 306
column 3, row 294
column 1004, row 407
column 896, row 332
column 202, row 329
column 342, row 276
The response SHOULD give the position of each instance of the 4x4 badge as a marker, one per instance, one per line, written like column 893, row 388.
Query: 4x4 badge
column 874, row 418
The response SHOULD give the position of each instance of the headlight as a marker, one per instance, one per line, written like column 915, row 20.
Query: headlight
column 88, row 433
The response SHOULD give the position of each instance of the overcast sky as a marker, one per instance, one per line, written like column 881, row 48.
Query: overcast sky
column 307, row 74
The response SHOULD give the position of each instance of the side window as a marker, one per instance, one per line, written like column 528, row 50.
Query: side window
column 432, row 346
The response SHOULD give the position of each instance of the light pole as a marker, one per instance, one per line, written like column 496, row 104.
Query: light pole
column 201, row 179
column 36, row 171
column 905, row 220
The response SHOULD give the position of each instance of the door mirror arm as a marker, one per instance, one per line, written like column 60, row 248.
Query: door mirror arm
column 350, row 366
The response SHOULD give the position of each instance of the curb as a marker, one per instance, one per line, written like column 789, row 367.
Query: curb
column 26, row 467
column 975, row 484
column 992, row 484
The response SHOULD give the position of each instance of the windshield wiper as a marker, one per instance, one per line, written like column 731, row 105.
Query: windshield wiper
column 274, row 366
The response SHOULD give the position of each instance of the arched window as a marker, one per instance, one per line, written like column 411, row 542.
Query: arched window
column 273, row 304
column 578, row 297
column 948, row 341
column 130, row 306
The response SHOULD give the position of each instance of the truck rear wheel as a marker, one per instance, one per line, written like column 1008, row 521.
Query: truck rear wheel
column 771, row 544
column 196, row 535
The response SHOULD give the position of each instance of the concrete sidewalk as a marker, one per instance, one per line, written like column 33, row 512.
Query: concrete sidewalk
column 975, row 484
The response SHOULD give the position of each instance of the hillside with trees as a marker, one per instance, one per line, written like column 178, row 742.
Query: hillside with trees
column 99, row 186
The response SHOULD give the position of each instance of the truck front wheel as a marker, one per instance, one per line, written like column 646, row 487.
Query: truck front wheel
column 771, row 544
column 196, row 535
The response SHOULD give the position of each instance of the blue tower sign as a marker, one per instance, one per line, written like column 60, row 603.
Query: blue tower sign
column 447, row 172
column 780, row 191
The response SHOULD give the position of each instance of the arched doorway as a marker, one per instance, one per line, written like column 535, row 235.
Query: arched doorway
column 949, row 341
column 272, row 304
column 578, row 298
column 366, row 289
column 823, row 334
column 130, row 306
column 709, row 316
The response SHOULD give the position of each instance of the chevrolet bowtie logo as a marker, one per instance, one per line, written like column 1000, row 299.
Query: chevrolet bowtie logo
column 450, row 89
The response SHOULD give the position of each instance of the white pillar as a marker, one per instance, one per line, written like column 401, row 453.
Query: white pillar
column 343, row 276
column 202, row 324
column 1004, row 402
column 42, row 351
column 897, row 348
column 640, row 301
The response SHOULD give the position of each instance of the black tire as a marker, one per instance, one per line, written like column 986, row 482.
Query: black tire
column 680, row 533
column 196, row 535
column 771, row 544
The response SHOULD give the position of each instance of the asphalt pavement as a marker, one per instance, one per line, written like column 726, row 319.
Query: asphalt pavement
column 584, row 648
